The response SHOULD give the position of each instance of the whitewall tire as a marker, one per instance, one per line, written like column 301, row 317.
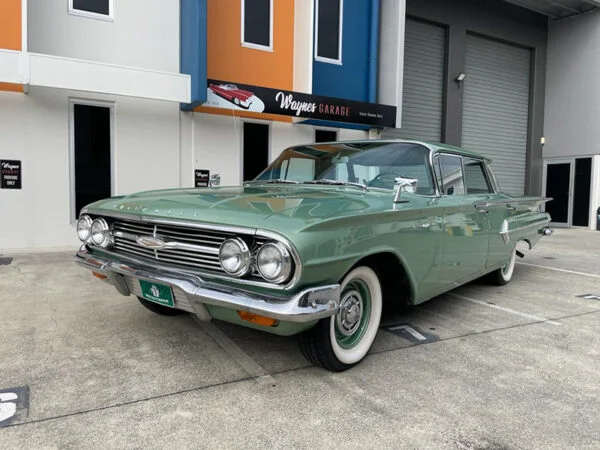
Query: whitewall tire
column 341, row 341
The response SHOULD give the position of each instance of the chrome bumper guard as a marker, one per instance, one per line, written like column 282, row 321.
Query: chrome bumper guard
column 305, row 306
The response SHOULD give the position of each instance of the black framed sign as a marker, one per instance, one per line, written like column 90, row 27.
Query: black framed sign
column 201, row 178
column 223, row 94
column 10, row 174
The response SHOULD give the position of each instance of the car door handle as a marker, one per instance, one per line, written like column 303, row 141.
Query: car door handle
column 483, row 211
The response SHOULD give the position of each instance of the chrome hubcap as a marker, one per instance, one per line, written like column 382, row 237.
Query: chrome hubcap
column 351, row 309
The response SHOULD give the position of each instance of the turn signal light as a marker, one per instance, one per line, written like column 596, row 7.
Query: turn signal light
column 259, row 320
column 99, row 275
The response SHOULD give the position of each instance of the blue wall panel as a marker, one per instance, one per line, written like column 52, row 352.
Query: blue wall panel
column 193, row 48
column 356, row 78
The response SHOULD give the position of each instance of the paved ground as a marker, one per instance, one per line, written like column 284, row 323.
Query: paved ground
column 510, row 367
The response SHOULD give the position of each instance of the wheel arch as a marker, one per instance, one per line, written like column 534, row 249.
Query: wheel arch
column 393, row 275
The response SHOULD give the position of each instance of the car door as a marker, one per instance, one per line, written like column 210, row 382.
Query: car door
column 466, row 228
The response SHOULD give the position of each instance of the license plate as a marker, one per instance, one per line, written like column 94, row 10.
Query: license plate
column 157, row 293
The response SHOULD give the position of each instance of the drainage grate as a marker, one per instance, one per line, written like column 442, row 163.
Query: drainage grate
column 5, row 260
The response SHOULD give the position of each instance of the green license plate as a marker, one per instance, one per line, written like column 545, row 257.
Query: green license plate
column 157, row 293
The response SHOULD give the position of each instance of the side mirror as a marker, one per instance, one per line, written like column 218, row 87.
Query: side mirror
column 215, row 180
column 404, row 184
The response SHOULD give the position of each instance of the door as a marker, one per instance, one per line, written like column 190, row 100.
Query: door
column 568, row 183
column 558, row 187
column 496, row 107
column 91, row 147
column 256, row 149
column 467, row 229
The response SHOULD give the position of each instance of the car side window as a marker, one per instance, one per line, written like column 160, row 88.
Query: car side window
column 449, row 174
column 475, row 179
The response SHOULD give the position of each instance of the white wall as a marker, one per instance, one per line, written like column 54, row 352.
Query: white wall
column 144, row 33
column 35, row 130
column 572, row 87
column 218, row 143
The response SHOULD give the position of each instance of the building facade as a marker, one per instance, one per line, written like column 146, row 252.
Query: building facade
column 108, row 97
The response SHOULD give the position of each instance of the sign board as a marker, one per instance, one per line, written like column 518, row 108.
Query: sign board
column 243, row 97
column 201, row 178
column 10, row 174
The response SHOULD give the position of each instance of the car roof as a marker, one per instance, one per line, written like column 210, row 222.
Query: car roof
column 433, row 146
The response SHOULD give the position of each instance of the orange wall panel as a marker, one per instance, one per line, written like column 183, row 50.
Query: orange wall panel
column 228, row 60
column 10, row 24
column 11, row 87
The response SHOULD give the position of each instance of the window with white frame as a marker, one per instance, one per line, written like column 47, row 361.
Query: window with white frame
column 328, row 31
column 257, row 24
column 97, row 9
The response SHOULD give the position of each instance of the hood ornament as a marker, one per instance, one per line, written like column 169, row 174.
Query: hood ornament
column 151, row 242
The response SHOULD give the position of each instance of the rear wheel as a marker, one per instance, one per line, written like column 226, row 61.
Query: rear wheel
column 160, row 309
column 341, row 341
column 504, row 274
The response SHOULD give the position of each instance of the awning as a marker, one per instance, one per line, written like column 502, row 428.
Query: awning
column 558, row 9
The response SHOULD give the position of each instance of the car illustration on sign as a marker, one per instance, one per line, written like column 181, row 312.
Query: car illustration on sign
column 317, row 243
column 230, row 92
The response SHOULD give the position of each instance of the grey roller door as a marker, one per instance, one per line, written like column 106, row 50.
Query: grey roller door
column 496, row 107
column 423, row 94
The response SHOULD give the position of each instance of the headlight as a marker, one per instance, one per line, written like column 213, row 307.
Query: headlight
column 84, row 226
column 274, row 262
column 234, row 257
column 100, row 233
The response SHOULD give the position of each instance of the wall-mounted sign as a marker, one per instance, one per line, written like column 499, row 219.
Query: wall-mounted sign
column 10, row 174
column 222, row 94
column 201, row 177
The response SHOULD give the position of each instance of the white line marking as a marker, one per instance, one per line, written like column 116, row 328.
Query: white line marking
column 508, row 310
column 252, row 367
column 560, row 270
column 410, row 330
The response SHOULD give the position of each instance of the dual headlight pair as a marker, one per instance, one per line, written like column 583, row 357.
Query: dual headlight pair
column 96, row 231
column 273, row 260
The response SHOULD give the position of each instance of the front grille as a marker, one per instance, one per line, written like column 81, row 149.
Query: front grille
column 202, row 255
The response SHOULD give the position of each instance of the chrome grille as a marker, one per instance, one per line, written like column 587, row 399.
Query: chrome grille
column 199, row 248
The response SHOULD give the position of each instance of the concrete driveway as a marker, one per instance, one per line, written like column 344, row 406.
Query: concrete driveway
column 482, row 367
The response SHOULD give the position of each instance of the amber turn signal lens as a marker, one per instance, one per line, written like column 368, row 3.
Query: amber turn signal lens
column 259, row 320
column 99, row 275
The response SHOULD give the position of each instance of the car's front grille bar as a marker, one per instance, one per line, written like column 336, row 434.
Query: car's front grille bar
column 188, row 247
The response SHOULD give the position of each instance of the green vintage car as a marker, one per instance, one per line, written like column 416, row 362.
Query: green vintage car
column 317, row 243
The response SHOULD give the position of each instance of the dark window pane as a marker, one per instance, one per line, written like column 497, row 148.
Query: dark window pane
column 475, row 179
column 328, row 29
column 94, row 6
column 256, row 149
column 325, row 136
column 257, row 22
column 581, row 201
column 92, row 154
column 558, row 180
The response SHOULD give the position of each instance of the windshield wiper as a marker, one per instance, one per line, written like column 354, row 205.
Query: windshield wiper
column 337, row 183
column 276, row 180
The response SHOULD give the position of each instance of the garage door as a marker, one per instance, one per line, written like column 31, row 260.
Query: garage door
column 423, row 95
column 496, row 107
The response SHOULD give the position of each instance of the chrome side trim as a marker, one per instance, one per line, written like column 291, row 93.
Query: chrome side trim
column 306, row 306
column 508, row 202
column 505, row 230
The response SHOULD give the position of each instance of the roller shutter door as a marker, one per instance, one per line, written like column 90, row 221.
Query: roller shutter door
column 423, row 94
column 496, row 107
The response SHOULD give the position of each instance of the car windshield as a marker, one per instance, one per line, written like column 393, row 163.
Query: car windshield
column 375, row 164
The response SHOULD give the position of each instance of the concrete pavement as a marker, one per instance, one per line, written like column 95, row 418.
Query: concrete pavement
column 499, row 367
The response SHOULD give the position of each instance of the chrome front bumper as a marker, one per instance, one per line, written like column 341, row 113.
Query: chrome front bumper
column 191, row 292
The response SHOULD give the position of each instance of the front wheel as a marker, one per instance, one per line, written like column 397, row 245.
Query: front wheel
column 504, row 274
column 341, row 341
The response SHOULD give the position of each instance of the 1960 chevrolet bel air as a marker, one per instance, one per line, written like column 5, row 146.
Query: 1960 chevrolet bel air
column 317, row 243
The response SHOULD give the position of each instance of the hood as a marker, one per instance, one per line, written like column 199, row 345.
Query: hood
column 277, row 208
